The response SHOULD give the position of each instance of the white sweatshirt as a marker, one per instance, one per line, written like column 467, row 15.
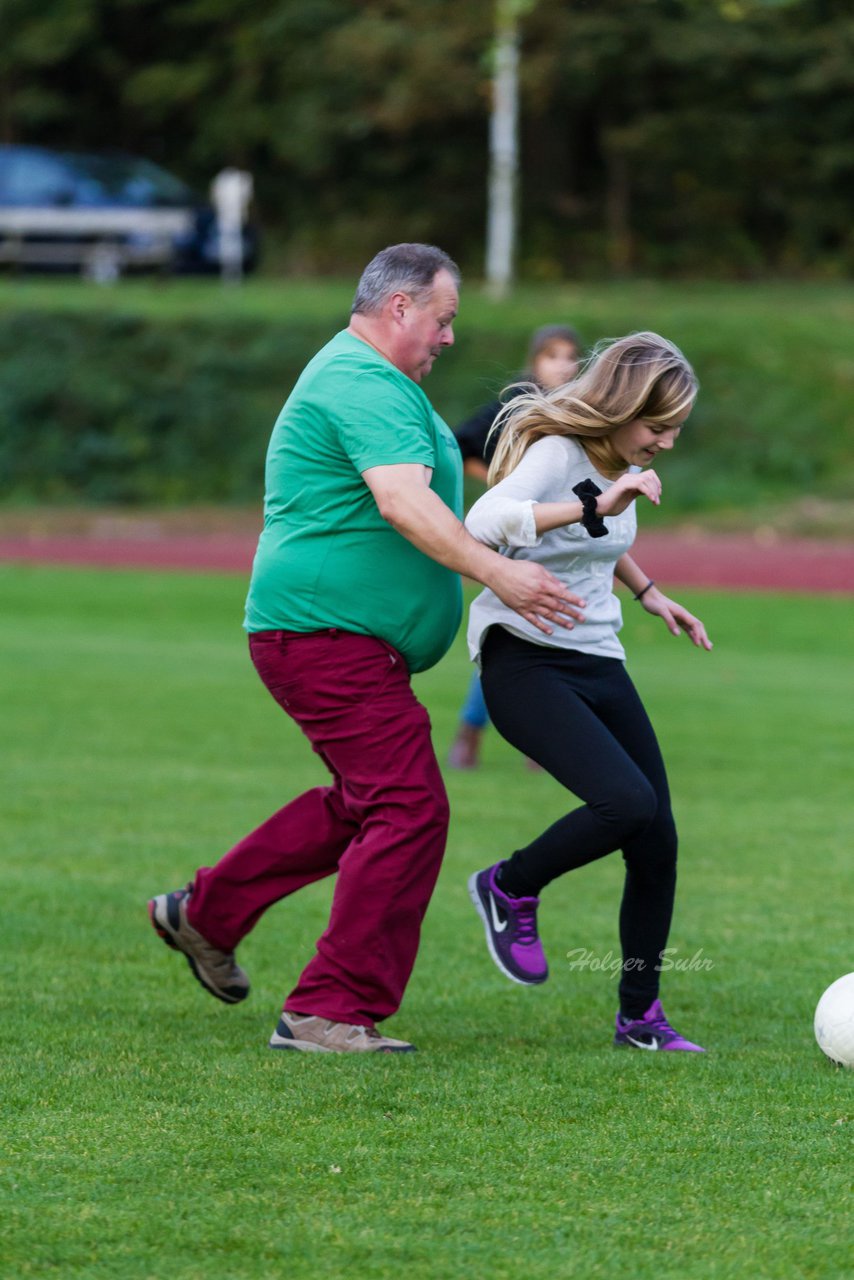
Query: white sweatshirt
column 503, row 518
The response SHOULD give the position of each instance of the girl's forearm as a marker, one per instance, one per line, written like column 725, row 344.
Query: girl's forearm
column 554, row 515
column 627, row 571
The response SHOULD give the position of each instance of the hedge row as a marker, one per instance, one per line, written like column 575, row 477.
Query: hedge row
column 112, row 408
column 122, row 409
column 108, row 408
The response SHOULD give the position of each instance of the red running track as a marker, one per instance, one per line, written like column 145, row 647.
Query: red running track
column 731, row 561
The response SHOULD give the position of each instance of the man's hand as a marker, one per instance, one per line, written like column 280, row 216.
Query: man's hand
column 535, row 594
column 405, row 500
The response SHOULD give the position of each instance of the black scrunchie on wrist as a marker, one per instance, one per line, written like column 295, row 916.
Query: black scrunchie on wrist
column 588, row 492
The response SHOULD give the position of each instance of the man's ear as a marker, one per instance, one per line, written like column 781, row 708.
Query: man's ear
column 399, row 304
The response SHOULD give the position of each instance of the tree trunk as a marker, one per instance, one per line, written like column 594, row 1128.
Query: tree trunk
column 618, row 227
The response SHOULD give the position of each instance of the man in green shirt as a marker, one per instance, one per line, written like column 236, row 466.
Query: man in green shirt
column 326, row 556
column 355, row 586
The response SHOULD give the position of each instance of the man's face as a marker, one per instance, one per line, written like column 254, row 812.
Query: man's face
column 427, row 327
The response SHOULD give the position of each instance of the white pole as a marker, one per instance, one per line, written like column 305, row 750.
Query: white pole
column 503, row 153
column 231, row 192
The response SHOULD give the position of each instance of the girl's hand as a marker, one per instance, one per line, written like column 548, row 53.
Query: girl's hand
column 675, row 617
column 624, row 491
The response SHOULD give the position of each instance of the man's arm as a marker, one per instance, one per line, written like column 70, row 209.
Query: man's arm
column 410, row 506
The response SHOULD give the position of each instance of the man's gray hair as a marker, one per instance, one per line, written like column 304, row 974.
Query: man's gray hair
column 401, row 268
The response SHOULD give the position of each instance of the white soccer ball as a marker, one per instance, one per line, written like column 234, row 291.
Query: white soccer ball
column 834, row 1021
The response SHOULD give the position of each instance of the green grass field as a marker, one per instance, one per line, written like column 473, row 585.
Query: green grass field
column 148, row 1131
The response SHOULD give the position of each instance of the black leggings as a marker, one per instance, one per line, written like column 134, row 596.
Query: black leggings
column 580, row 717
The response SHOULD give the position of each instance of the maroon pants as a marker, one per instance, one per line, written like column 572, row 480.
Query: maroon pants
column 381, row 825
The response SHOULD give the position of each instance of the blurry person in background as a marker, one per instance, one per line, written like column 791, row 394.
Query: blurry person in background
column 553, row 355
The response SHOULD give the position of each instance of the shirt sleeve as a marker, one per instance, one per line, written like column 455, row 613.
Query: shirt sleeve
column 504, row 515
column 505, row 522
column 384, row 424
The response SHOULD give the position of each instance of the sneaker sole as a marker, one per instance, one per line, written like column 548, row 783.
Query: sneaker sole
column 309, row 1046
column 474, row 894
column 162, row 931
column 661, row 1048
column 306, row 1046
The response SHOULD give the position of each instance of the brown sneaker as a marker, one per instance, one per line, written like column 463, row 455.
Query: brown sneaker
column 319, row 1035
column 217, row 971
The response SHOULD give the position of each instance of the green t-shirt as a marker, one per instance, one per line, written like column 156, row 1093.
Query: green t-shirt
column 326, row 558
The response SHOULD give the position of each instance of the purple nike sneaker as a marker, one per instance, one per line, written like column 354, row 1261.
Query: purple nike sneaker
column 652, row 1031
column 511, row 929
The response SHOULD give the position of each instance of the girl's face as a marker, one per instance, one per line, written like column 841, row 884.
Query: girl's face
column 637, row 442
column 556, row 364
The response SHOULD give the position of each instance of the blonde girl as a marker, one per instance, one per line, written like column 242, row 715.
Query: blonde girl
column 568, row 469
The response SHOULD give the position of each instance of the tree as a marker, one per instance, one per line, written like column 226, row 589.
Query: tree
column 693, row 136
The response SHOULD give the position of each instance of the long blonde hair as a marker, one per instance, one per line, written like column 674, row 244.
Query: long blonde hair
column 639, row 376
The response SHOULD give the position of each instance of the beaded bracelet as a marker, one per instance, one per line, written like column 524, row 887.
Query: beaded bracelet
column 644, row 590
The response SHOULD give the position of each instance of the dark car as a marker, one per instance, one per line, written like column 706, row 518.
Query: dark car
column 104, row 214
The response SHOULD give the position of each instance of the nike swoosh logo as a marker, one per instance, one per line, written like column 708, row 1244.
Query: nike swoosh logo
column 639, row 1044
column 498, row 925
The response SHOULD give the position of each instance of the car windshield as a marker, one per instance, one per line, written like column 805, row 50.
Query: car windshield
column 118, row 180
